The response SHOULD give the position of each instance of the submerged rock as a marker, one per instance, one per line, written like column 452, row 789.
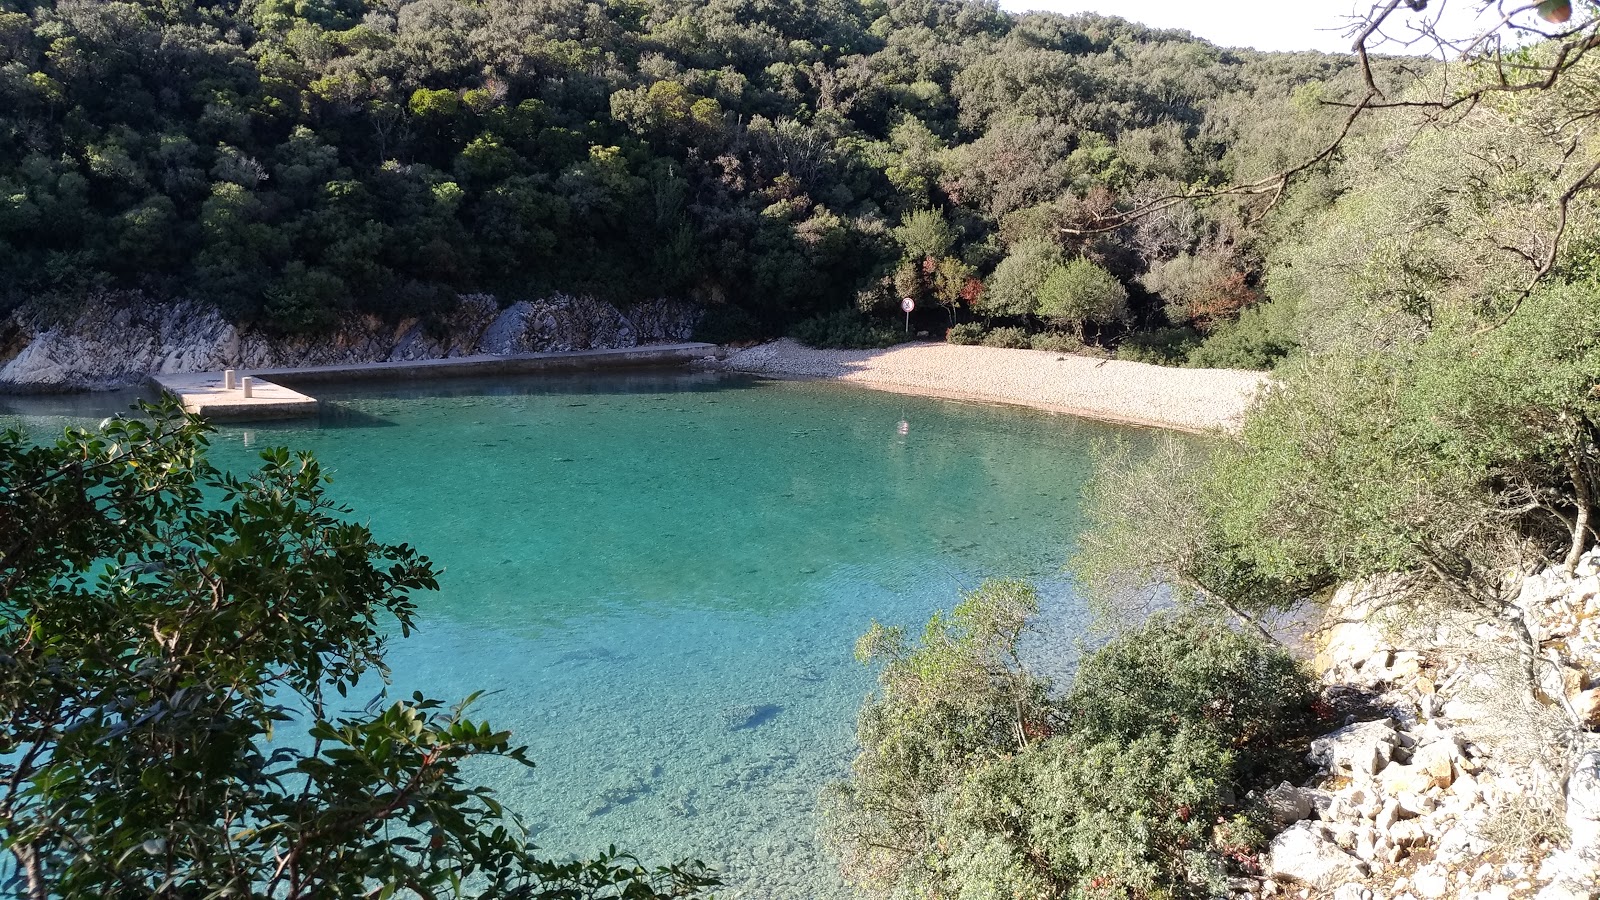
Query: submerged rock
column 742, row 718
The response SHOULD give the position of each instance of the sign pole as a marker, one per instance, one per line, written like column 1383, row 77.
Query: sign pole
column 907, row 304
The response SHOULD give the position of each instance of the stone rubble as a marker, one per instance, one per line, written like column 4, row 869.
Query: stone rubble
column 119, row 339
column 1415, row 800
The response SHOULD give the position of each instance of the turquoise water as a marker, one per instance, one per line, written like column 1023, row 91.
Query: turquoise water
column 661, row 577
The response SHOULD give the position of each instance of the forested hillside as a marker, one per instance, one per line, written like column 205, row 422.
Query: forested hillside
column 770, row 160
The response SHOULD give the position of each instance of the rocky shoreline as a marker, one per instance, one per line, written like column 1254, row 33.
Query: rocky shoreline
column 118, row 339
column 1451, row 779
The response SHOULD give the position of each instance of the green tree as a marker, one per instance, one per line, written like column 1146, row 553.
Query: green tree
column 925, row 234
column 1080, row 293
column 1013, row 289
column 167, row 629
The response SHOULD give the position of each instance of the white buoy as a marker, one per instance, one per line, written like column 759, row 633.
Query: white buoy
column 247, row 384
column 228, row 380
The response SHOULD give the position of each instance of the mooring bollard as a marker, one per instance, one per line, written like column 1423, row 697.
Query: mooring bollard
column 247, row 383
column 228, row 380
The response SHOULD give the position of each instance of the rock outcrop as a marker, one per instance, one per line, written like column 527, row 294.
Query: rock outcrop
column 118, row 339
column 1460, row 775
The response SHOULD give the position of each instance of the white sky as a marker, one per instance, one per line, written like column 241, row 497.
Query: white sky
column 1263, row 24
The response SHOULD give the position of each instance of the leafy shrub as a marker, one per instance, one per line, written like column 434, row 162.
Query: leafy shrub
column 1008, row 337
column 1160, row 346
column 1055, row 342
column 845, row 329
column 974, row 782
column 942, row 707
column 1204, row 291
column 1261, row 337
column 1105, row 819
column 1189, row 671
column 1013, row 288
column 965, row 333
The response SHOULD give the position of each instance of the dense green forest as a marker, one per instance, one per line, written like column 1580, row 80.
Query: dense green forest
column 769, row 159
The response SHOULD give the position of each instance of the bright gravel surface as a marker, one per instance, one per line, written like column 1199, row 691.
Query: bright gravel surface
column 1137, row 393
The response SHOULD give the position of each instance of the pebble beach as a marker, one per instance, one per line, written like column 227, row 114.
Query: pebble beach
column 1194, row 400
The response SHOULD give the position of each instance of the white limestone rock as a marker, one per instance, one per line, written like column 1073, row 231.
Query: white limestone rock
column 1287, row 804
column 1583, row 804
column 1430, row 882
column 1360, row 750
column 1305, row 854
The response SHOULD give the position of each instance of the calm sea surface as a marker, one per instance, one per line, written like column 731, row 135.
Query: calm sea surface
column 660, row 577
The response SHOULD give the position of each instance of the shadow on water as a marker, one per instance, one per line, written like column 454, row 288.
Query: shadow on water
column 598, row 382
column 88, row 405
column 749, row 718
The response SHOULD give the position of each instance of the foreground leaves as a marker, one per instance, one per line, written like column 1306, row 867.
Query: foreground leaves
column 165, row 631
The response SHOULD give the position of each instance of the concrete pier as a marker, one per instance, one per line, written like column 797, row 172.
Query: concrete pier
column 205, row 394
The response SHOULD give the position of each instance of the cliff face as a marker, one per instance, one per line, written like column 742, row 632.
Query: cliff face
column 119, row 339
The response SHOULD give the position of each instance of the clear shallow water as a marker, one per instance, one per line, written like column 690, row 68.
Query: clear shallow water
column 661, row 577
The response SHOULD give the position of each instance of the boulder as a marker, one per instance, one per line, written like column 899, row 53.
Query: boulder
column 1306, row 855
column 1441, row 758
column 1408, row 833
column 1360, row 750
column 1351, row 804
column 1587, row 706
column 1583, row 803
column 1287, row 804
column 1397, row 779
column 1430, row 882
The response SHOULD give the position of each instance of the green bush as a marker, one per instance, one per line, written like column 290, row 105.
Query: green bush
column 1160, row 346
column 1008, row 337
column 844, row 330
column 1081, row 292
column 965, row 333
column 973, row 781
column 1055, row 342
column 1187, row 671
column 1260, row 338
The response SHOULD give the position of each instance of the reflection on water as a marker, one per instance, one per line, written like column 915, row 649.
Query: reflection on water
column 661, row 576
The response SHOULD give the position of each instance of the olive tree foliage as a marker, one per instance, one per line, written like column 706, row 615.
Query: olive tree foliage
column 1489, row 204
column 175, row 642
column 1510, row 49
column 975, row 781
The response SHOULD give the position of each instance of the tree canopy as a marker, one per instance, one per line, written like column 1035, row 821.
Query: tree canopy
column 294, row 161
